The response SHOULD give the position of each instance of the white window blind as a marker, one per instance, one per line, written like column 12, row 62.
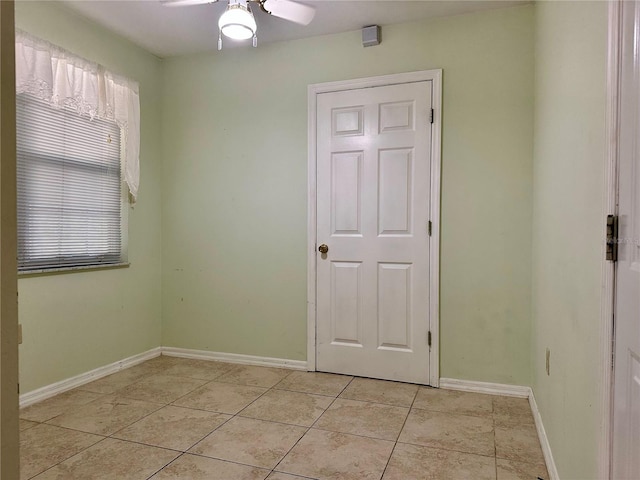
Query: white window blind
column 69, row 188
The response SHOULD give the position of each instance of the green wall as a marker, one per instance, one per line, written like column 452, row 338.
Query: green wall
column 76, row 322
column 569, row 153
column 224, row 139
column 234, row 191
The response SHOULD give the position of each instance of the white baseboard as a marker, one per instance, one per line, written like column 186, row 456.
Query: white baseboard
column 485, row 387
column 47, row 391
column 234, row 358
column 544, row 441
column 511, row 391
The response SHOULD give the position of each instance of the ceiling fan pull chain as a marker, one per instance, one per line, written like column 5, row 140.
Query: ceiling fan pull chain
column 220, row 41
column 255, row 40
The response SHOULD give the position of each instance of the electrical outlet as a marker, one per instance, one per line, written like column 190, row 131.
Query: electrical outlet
column 548, row 356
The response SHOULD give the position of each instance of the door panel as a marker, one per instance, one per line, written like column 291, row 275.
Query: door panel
column 396, row 116
column 394, row 191
column 346, row 193
column 626, row 428
column 346, row 299
column 373, row 190
column 394, row 305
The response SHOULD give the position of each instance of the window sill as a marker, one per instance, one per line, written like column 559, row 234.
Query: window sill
column 65, row 270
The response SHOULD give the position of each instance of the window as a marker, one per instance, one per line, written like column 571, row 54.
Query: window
column 78, row 139
column 69, row 188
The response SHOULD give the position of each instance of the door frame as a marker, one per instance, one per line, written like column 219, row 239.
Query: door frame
column 435, row 76
column 9, row 426
column 607, row 310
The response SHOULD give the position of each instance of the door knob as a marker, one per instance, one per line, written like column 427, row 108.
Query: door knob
column 323, row 248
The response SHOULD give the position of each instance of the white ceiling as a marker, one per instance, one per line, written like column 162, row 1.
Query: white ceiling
column 169, row 31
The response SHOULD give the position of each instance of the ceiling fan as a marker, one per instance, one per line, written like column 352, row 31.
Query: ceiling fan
column 237, row 21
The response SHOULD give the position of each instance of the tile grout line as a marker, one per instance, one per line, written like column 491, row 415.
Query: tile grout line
column 200, row 455
column 164, row 466
column 305, row 393
column 442, row 449
column 75, row 429
column 146, row 444
column 174, row 400
column 70, row 456
column 207, row 382
column 268, row 389
column 395, row 444
column 215, row 429
column 359, row 435
column 309, row 428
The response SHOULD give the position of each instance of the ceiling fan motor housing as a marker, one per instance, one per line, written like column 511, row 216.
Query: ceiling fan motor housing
column 237, row 21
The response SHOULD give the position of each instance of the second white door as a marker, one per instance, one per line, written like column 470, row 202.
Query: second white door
column 626, row 413
column 373, row 190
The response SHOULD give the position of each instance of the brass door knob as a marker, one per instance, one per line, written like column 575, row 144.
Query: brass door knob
column 323, row 248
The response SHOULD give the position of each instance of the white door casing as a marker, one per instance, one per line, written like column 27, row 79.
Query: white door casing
column 373, row 297
column 626, row 385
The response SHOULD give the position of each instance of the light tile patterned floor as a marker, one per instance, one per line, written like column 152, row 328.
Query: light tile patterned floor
column 172, row 418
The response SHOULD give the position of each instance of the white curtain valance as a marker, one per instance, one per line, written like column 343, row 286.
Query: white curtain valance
column 68, row 81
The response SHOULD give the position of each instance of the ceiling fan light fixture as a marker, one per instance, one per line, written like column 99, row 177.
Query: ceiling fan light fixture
column 237, row 21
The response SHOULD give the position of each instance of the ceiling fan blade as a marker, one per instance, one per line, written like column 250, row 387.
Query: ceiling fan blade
column 289, row 10
column 184, row 3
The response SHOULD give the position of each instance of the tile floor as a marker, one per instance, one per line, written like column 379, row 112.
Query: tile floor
column 172, row 418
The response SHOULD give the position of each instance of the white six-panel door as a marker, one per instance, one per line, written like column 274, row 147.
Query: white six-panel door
column 626, row 428
column 373, row 194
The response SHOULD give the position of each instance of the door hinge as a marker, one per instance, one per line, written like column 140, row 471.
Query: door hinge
column 612, row 238
column 429, row 338
column 613, row 361
column 429, row 226
column 431, row 117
